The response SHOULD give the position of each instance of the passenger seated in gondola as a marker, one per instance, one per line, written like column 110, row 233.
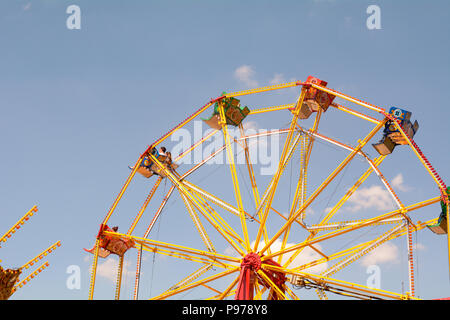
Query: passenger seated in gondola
column 148, row 168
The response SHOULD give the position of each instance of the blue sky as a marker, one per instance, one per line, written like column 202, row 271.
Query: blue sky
column 79, row 106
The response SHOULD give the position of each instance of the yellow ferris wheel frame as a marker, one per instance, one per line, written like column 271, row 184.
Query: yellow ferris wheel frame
column 197, row 201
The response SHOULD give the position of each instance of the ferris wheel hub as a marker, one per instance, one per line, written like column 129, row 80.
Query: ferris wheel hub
column 252, row 260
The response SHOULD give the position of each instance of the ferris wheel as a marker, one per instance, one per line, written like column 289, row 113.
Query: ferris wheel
column 242, row 233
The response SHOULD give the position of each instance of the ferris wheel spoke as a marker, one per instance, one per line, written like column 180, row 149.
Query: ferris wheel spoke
column 347, row 229
column 175, row 248
column 349, row 98
column 327, row 283
column 217, row 221
column 191, row 277
column 184, row 256
column 158, row 212
column 144, row 206
column 277, row 175
column 351, row 191
column 228, row 291
column 180, row 186
column 354, row 113
column 272, row 108
column 201, row 230
column 203, row 193
column 364, row 250
column 327, row 181
column 300, row 191
column 122, row 191
column 273, row 287
column 248, row 163
column 339, row 204
column 264, row 89
column 237, row 191
column 357, row 248
column 168, row 294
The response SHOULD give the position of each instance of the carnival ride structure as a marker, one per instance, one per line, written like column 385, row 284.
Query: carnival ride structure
column 10, row 278
column 246, row 246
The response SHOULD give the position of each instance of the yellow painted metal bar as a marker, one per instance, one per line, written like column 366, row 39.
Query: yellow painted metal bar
column 338, row 205
column 159, row 210
column 434, row 177
column 264, row 89
column 341, row 224
column 355, row 227
column 234, row 177
column 18, row 224
column 185, row 256
column 410, row 259
column 352, row 250
column 199, row 226
column 122, row 191
column 400, row 129
column 205, row 194
column 197, row 273
column 270, row 109
column 41, row 255
column 364, row 250
column 258, row 292
column 226, row 292
column 94, row 270
column 270, row 282
column 340, row 283
column 31, row 276
column 355, row 113
column 138, row 274
column 195, row 145
column 211, row 288
column 349, row 98
column 350, row 192
column 301, row 184
column 213, row 217
column 168, row 294
column 180, row 186
column 182, row 124
column 263, row 203
column 179, row 248
column 325, row 183
column 232, row 292
column 119, row 278
column 279, row 170
column 291, row 293
column 144, row 206
column 251, row 173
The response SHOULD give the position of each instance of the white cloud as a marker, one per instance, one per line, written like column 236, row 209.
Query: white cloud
column 27, row 6
column 387, row 252
column 277, row 79
column 397, row 182
column 373, row 197
column 108, row 269
column 246, row 75
column 419, row 246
